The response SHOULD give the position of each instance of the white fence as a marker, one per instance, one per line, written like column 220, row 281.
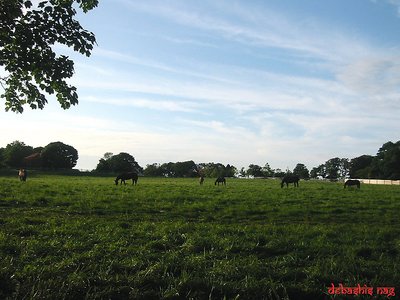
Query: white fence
column 380, row 181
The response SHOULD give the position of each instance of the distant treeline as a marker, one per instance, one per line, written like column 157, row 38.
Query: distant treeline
column 59, row 156
column 54, row 156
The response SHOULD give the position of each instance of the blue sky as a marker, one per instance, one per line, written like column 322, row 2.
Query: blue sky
column 238, row 82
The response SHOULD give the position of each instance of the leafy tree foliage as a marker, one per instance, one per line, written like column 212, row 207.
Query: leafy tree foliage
column 2, row 164
column 153, row 170
column 301, row 171
column 185, row 169
column 28, row 34
column 267, row 170
column 255, row 170
column 122, row 162
column 14, row 153
column 279, row 173
column 385, row 165
column 242, row 172
column 58, row 155
column 103, row 165
column 333, row 169
column 318, row 172
column 190, row 169
column 214, row 170
column 387, row 162
column 361, row 167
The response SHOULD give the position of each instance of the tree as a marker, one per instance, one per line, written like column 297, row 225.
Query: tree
column 319, row 171
column 15, row 152
column 153, row 170
column 254, row 170
column 104, row 165
column 267, row 171
column 230, row 171
column 58, row 155
column 387, row 162
column 2, row 165
column 27, row 35
column 361, row 167
column 344, row 167
column 242, row 172
column 279, row 173
column 332, row 168
column 168, row 169
column 301, row 171
column 185, row 169
column 122, row 162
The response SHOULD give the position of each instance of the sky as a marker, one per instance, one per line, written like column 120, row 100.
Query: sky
column 231, row 81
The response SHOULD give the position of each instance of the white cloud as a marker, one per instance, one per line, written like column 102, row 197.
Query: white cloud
column 372, row 75
column 162, row 105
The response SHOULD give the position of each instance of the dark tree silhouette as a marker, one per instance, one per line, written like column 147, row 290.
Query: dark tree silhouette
column 58, row 155
column 27, row 36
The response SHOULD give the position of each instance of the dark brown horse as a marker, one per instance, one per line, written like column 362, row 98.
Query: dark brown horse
column 352, row 182
column 201, row 180
column 126, row 176
column 219, row 180
column 290, row 179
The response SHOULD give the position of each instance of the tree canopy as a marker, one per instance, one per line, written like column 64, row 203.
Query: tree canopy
column 58, row 155
column 122, row 162
column 15, row 152
column 28, row 34
column 301, row 171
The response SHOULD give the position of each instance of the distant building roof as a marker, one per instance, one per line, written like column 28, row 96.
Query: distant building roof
column 33, row 156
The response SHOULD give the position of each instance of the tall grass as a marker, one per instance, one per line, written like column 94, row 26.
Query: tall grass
column 85, row 238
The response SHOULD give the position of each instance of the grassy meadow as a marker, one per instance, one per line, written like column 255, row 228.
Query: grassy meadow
column 66, row 237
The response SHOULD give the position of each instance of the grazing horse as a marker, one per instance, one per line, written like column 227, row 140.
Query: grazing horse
column 125, row 176
column 352, row 182
column 201, row 180
column 290, row 179
column 22, row 174
column 220, row 180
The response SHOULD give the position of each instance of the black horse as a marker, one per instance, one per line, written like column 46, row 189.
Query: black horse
column 125, row 176
column 220, row 180
column 290, row 179
column 352, row 182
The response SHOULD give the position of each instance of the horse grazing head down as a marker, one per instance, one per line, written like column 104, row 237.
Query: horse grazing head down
column 125, row 176
column 221, row 180
column 290, row 179
column 352, row 182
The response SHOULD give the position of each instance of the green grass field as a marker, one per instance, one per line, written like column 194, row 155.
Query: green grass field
column 85, row 238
